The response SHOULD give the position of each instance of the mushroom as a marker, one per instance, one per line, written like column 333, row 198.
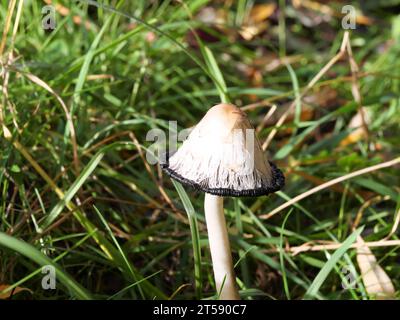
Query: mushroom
column 223, row 158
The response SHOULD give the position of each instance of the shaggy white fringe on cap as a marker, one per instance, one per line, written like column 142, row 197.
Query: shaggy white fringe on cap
column 223, row 156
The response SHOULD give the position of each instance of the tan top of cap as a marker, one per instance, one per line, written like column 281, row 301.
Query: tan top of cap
column 222, row 156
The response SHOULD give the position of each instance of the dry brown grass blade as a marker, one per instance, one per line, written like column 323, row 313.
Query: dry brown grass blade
column 355, row 88
column 370, row 201
column 358, row 123
column 395, row 224
column 10, row 12
column 317, row 181
column 331, row 183
column 333, row 246
column 327, row 10
column 312, row 247
column 337, row 188
column 313, row 81
column 364, row 206
column 377, row 283
column 9, row 59
column 16, row 23
column 266, row 118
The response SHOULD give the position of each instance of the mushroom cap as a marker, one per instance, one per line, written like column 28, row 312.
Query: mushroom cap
column 222, row 156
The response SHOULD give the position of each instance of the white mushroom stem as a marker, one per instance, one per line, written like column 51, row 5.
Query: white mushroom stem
column 220, row 249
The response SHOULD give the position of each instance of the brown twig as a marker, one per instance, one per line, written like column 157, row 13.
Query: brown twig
column 331, row 183
column 266, row 118
column 306, row 247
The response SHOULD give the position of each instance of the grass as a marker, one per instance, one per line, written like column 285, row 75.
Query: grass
column 76, row 106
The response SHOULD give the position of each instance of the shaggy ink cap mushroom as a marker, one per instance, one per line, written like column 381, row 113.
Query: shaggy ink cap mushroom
column 222, row 156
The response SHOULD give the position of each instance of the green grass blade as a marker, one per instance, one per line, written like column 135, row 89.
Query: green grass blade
column 122, row 253
column 296, row 90
column 55, row 259
column 213, row 68
column 73, row 189
column 281, row 252
column 195, row 235
column 35, row 255
column 86, row 63
column 324, row 272
column 133, row 285
column 155, row 29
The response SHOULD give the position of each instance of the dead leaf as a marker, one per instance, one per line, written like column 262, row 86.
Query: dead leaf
column 357, row 123
column 14, row 291
column 248, row 32
column 261, row 12
column 324, row 97
column 329, row 11
column 256, row 21
column 377, row 283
